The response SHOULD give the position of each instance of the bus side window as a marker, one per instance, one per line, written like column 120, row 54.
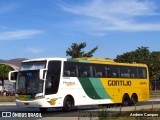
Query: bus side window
column 70, row 69
column 133, row 72
column 84, row 74
column 67, row 73
column 99, row 70
column 85, row 70
column 124, row 72
column 112, row 71
column 142, row 72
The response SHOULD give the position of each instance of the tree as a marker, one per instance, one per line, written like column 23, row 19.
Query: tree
column 143, row 55
column 4, row 70
column 140, row 55
column 155, row 65
column 75, row 51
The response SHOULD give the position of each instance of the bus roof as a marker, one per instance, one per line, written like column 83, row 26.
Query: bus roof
column 45, row 59
column 87, row 60
column 105, row 61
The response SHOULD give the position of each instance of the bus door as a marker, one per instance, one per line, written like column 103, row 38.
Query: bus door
column 53, row 77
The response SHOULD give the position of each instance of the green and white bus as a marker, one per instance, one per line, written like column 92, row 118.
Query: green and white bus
column 62, row 82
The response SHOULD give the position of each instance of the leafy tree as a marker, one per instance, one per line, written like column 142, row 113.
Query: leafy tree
column 4, row 70
column 140, row 55
column 155, row 65
column 75, row 51
column 143, row 55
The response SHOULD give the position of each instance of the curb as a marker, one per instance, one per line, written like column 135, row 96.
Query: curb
column 158, row 99
column 7, row 104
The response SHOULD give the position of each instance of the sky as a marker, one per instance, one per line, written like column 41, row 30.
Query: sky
column 47, row 28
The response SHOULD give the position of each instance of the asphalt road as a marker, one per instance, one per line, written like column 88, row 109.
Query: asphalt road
column 11, row 112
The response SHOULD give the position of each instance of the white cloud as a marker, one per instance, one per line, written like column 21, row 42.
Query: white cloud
column 19, row 34
column 116, row 15
column 107, row 8
column 35, row 50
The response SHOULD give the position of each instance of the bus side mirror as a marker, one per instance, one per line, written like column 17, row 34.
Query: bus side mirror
column 12, row 76
column 42, row 74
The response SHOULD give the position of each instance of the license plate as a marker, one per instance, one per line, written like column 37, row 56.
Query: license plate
column 26, row 103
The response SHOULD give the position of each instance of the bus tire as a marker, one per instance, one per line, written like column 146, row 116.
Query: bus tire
column 43, row 110
column 134, row 99
column 126, row 100
column 68, row 103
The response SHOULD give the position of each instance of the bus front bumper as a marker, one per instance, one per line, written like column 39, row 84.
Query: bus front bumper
column 36, row 103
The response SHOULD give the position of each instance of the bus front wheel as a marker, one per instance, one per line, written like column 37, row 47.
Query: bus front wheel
column 68, row 104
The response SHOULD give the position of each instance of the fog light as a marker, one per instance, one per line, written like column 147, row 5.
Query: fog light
column 53, row 101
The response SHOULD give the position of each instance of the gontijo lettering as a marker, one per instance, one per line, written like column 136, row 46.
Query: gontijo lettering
column 119, row 83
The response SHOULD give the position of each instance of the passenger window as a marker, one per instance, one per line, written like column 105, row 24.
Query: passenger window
column 70, row 69
column 99, row 70
column 133, row 72
column 124, row 72
column 142, row 73
column 112, row 71
column 85, row 70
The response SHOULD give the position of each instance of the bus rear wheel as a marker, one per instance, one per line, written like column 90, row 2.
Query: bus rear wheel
column 125, row 100
column 134, row 99
column 68, row 104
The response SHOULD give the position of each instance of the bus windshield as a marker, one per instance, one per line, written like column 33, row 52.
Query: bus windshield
column 29, row 82
column 35, row 65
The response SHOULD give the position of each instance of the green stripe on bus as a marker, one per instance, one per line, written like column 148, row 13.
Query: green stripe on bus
column 94, row 88
column 97, row 84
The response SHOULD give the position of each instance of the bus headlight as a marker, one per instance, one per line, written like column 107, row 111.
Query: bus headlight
column 53, row 101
